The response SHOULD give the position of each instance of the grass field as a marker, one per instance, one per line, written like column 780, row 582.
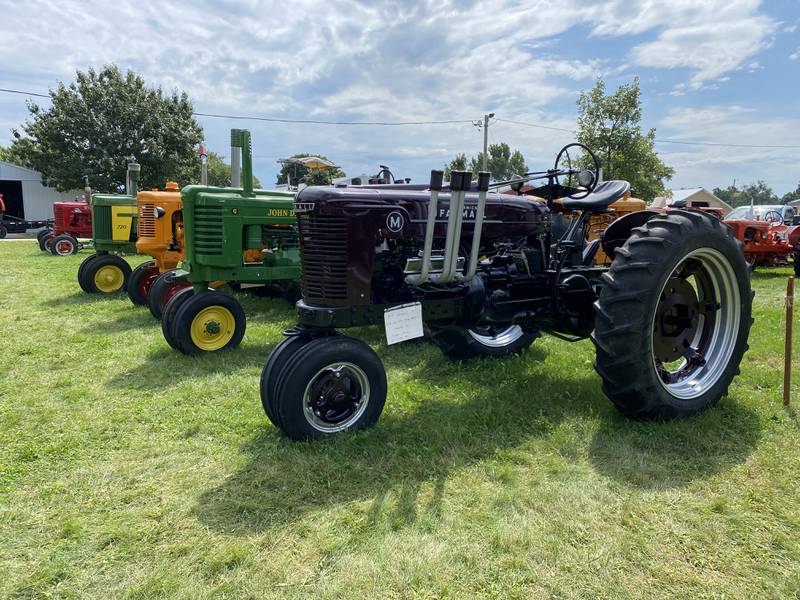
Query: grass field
column 128, row 470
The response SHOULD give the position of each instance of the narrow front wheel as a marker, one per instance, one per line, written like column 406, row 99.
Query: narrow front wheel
column 328, row 385
column 107, row 274
column 140, row 281
column 208, row 322
column 64, row 245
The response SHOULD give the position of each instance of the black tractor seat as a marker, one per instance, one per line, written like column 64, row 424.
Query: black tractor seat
column 606, row 192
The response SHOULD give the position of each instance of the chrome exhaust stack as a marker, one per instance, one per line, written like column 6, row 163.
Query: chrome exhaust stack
column 483, row 189
column 433, row 209
column 459, row 183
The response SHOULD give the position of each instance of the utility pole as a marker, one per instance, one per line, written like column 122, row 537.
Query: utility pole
column 486, row 118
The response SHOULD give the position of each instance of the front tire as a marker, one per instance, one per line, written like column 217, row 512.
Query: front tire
column 331, row 384
column 162, row 290
column 492, row 342
column 140, row 282
column 673, row 317
column 208, row 322
column 107, row 274
column 42, row 236
column 83, row 281
column 64, row 245
column 276, row 362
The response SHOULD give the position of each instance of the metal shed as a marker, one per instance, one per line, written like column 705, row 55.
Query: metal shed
column 24, row 194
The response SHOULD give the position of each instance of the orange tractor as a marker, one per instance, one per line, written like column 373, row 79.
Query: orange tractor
column 160, row 236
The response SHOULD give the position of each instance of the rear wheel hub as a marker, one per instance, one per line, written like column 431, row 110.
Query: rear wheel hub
column 677, row 316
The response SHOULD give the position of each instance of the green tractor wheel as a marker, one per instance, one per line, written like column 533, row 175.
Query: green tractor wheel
column 107, row 274
column 208, row 322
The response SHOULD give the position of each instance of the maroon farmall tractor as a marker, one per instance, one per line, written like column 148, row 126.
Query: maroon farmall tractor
column 486, row 274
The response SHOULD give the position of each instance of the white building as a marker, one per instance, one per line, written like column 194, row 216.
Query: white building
column 24, row 194
column 692, row 197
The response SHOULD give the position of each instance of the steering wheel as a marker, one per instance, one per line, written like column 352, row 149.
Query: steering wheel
column 773, row 216
column 585, row 179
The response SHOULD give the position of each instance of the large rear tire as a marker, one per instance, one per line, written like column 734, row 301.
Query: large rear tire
column 140, row 282
column 673, row 317
column 491, row 342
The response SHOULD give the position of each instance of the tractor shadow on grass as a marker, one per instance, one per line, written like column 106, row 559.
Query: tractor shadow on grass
column 491, row 409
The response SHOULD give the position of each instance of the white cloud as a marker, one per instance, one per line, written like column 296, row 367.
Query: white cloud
column 712, row 166
column 383, row 60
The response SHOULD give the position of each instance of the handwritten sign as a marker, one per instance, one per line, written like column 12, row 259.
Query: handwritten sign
column 403, row 322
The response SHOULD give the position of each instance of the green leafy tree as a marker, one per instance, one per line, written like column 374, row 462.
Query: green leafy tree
column 611, row 126
column 219, row 172
column 788, row 197
column 502, row 164
column 459, row 163
column 757, row 193
column 96, row 122
column 302, row 174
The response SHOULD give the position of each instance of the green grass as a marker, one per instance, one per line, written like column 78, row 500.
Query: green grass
column 128, row 470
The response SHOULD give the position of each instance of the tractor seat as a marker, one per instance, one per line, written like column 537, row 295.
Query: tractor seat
column 606, row 193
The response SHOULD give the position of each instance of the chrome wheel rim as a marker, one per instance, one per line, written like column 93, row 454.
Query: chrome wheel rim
column 336, row 397
column 496, row 337
column 694, row 335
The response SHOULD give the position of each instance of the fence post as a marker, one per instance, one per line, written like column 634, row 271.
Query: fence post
column 787, row 353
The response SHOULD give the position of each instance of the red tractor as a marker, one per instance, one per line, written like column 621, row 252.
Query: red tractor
column 73, row 220
column 769, row 234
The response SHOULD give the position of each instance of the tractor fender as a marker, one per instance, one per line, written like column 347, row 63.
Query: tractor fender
column 619, row 231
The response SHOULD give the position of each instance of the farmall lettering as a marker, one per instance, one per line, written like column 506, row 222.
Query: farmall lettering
column 469, row 213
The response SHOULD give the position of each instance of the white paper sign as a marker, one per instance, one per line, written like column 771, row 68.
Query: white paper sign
column 403, row 322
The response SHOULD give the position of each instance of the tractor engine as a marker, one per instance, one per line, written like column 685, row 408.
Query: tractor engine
column 363, row 246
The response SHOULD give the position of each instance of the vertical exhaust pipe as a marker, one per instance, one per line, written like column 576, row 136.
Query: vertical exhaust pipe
column 133, row 178
column 459, row 182
column 433, row 209
column 236, row 148
column 483, row 188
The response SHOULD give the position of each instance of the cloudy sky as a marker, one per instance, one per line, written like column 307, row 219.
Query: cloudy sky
column 720, row 71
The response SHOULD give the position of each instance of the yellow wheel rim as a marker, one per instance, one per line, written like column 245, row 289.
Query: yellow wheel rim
column 109, row 278
column 212, row 328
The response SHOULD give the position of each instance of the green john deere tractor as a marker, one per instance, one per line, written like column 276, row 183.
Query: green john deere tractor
column 239, row 236
column 114, row 219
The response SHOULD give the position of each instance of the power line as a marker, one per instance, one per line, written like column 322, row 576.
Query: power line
column 7, row 91
column 536, row 125
column 439, row 122
column 320, row 122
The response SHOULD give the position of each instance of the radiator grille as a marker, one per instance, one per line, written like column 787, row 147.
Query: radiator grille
column 101, row 222
column 323, row 243
column 147, row 221
column 208, row 230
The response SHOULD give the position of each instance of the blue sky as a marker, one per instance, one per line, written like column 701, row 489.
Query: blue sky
column 711, row 71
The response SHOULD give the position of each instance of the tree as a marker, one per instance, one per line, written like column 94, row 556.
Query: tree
column 459, row 163
column 219, row 172
column 503, row 163
column 302, row 174
column 95, row 123
column 787, row 197
column 757, row 193
column 611, row 126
